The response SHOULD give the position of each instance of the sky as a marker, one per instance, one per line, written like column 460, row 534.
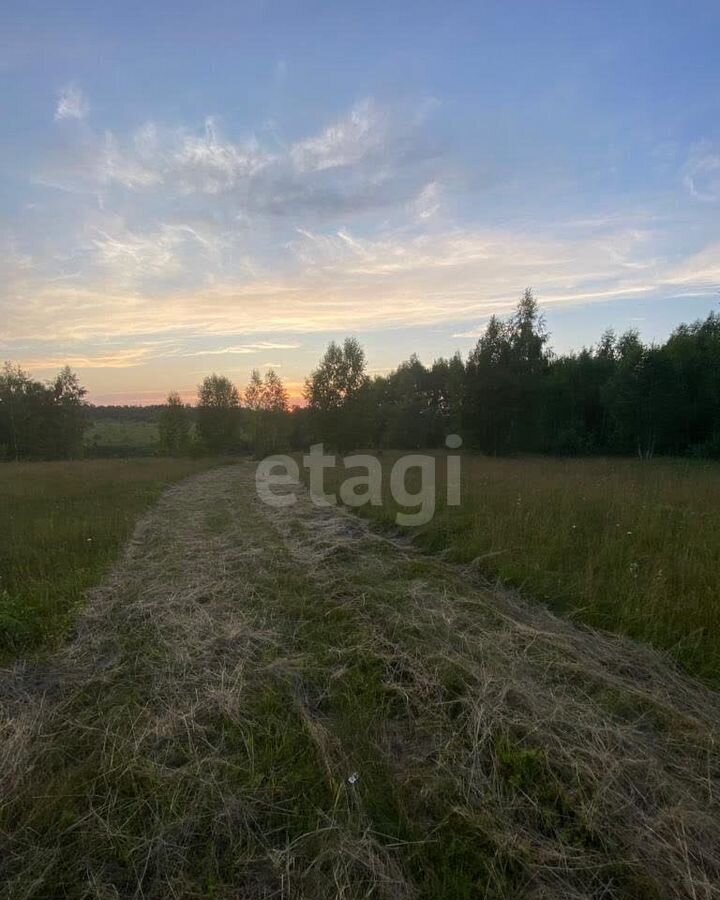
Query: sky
column 221, row 186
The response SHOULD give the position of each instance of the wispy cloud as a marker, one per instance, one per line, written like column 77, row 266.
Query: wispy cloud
column 156, row 256
column 427, row 202
column 345, row 143
column 699, row 271
column 242, row 349
column 369, row 158
column 274, row 345
column 342, row 280
column 118, row 359
column 702, row 173
column 72, row 104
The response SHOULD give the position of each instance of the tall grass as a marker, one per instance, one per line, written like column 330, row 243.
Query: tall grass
column 625, row 545
column 61, row 525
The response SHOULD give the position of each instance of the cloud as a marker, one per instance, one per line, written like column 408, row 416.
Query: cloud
column 185, row 161
column 273, row 345
column 340, row 280
column 243, row 349
column 118, row 359
column 159, row 256
column 222, row 351
column 344, row 143
column 701, row 175
column 476, row 331
column 368, row 158
column 700, row 271
column 427, row 202
column 72, row 104
column 451, row 280
column 176, row 161
column 232, row 247
column 130, row 254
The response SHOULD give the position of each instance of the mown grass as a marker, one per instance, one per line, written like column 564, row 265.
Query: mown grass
column 199, row 738
column 61, row 525
column 624, row 545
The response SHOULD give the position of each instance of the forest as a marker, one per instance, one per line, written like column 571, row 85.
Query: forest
column 511, row 395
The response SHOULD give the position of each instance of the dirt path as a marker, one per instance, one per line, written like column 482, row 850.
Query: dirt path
column 280, row 703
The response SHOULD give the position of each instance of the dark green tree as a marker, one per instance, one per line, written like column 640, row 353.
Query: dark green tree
column 174, row 426
column 218, row 406
column 41, row 421
column 336, row 395
column 266, row 404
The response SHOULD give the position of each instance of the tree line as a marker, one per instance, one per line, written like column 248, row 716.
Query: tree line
column 511, row 394
column 43, row 420
column 226, row 421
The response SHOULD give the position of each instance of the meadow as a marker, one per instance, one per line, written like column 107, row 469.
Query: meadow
column 120, row 438
column 279, row 701
column 625, row 545
column 61, row 526
column 628, row 546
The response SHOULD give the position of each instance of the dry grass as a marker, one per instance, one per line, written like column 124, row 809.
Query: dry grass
column 197, row 737
column 624, row 545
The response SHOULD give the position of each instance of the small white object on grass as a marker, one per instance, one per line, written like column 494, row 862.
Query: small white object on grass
column 354, row 778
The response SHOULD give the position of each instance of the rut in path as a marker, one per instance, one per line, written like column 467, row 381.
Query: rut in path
column 197, row 736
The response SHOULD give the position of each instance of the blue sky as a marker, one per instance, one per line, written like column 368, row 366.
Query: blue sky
column 195, row 187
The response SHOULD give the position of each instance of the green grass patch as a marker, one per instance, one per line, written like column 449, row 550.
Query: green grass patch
column 61, row 526
column 629, row 546
column 122, row 438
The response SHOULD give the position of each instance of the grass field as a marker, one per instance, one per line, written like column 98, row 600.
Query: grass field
column 120, row 438
column 279, row 702
column 624, row 545
column 61, row 525
column 630, row 546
